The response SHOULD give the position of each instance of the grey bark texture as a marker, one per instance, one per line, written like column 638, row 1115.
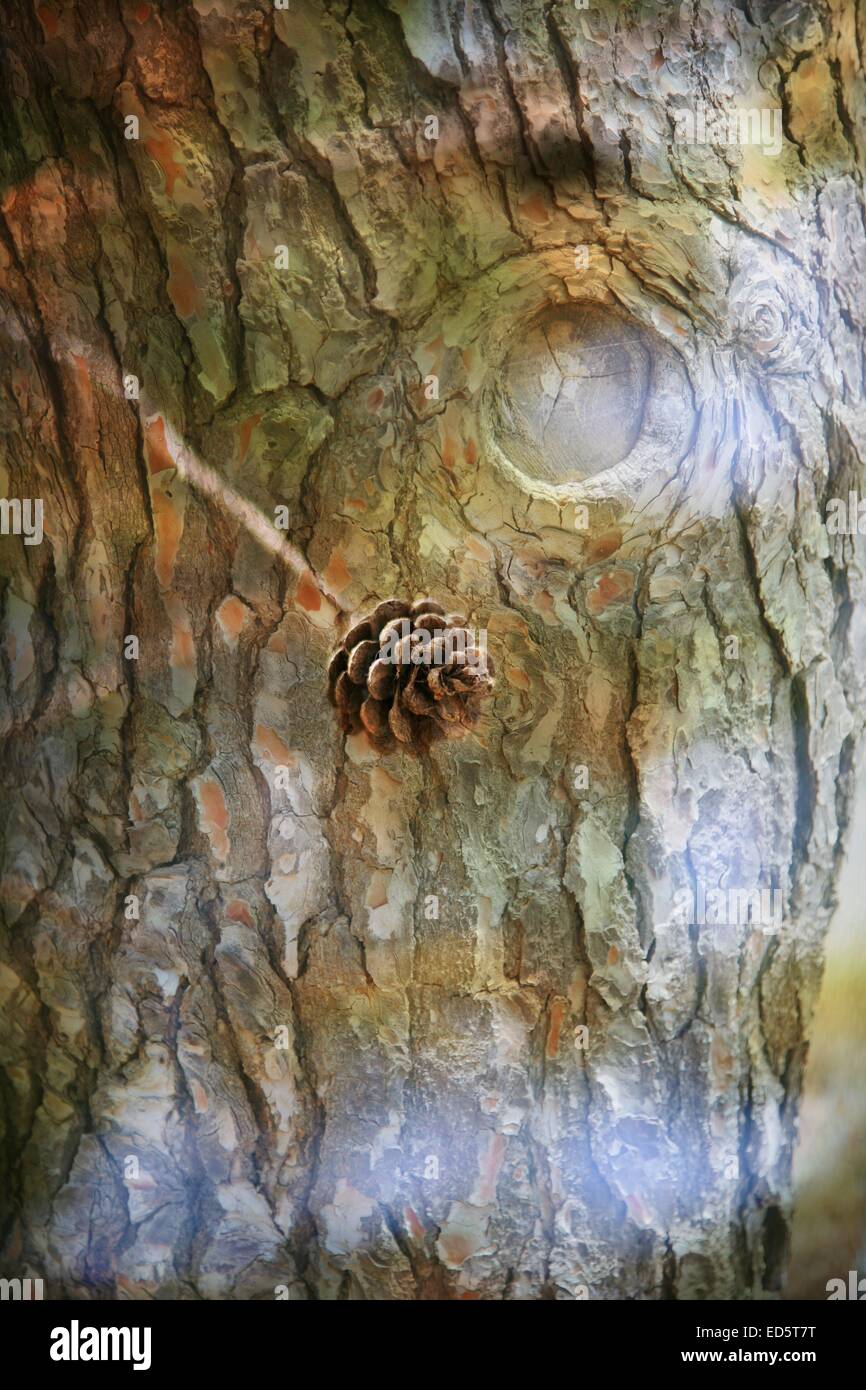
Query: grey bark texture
column 397, row 1026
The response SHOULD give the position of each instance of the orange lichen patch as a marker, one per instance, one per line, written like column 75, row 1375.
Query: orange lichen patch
column 470, row 453
column 307, row 593
column 813, row 83
column 613, row 587
column 543, row 602
column 49, row 20
column 82, row 380
column 245, row 434
column 604, row 545
column 612, row 956
column 183, row 291
column 412, row 1221
column 375, row 399
column 162, row 148
column 490, row 1166
column 337, row 576
column 463, row 1237
column 271, row 745
column 356, row 503
column 238, row 911
column 36, row 197
column 535, row 210
column 182, row 655
column 377, row 889
column 470, row 1296
column 156, row 449
column 557, row 1013
column 456, row 1248
column 518, row 677
column 449, row 452
column 199, row 1095
column 480, row 550
column 232, row 616
column 168, row 522
column 277, row 643
column 142, row 14
column 213, row 815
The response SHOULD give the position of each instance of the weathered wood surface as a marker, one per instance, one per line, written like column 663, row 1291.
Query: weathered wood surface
column 288, row 1071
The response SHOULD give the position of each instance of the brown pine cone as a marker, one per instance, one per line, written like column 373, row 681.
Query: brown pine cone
column 409, row 673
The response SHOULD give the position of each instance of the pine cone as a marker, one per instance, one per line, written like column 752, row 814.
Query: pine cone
column 409, row 673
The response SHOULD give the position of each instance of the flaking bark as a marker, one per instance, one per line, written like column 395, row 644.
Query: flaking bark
column 387, row 1026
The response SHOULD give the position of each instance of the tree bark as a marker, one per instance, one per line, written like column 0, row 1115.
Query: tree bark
column 284, row 1016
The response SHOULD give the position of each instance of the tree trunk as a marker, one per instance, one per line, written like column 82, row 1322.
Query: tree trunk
column 468, row 288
